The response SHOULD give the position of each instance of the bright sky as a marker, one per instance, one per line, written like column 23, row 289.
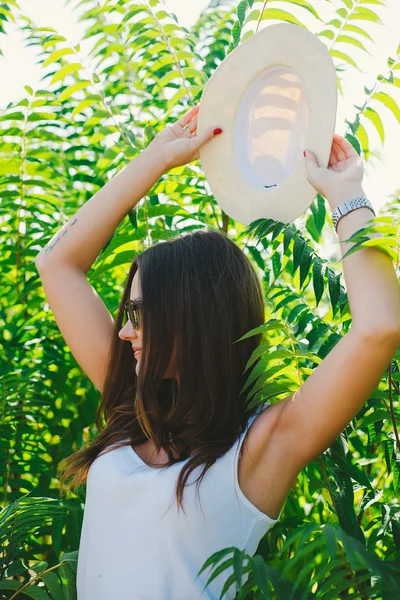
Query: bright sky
column 381, row 181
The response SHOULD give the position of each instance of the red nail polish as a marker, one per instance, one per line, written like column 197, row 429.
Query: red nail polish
column 304, row 152
column 217, row 131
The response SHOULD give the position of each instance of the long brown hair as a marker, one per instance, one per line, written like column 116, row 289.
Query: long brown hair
column 201, row 292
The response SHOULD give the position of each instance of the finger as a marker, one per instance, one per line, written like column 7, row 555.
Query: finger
column 346, row 147
column 180, row 131
column 188, row 116
column 193, row 123
column 311, row 160
column 333, row 159
column 207, row 135
column 192, row 126
column 338, row 150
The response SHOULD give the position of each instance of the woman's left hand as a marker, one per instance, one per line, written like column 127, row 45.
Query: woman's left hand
column 345, row 170
column 179, row 143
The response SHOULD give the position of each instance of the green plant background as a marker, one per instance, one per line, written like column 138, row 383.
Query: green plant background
column 339, row 534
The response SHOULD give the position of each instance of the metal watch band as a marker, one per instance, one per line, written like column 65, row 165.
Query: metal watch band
column 348, row 206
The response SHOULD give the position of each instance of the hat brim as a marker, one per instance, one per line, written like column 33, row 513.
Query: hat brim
column 284, row 45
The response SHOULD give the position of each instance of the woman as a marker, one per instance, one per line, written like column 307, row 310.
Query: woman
column 172, row 412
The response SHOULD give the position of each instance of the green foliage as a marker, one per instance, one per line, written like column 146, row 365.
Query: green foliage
column 6, row 14
column 21, row 523
column 314, row 562
column 339, row 534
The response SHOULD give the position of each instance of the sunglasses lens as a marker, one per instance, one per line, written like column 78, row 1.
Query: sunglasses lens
column 132, row 314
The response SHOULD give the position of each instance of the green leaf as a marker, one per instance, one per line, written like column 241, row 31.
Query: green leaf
column 280, row 15
column 387, row 250
column 316, row 484
column 342, row 12
column 253, row 16
column 354, row 142
column 305, row 263
column 380, row 242
column 389, row 102
column 257, row 352
column 259, row 571
column 344, row 57
column 236, row 30
column 375, row 118
column 378, row 414
column 53, row 583
column 66, row 70
column 316, row 220
column 31, row 591
column 164, row 209
column 88, row 101
column 351, row 470
column 277, row 230
column 334, row 288
column 318, row 280
column 295, row 312
column 298, row 249
column 70, row 90
column 326, row 33
column 271, row 325
column 132, row 13
column 276, row 260
column 287, row 236
column 363, row 138
column 306, row 5
column 189, row 72
column 238, row 558
column 56, row 55
column 257, row 256
column 358, row 30
column 52, row 40
column 346, row 39
column 10, row 585
column 215, row 558
column 241, row 11
column 365, row 14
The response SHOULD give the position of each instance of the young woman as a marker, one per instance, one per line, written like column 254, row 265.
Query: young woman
column 171, row 412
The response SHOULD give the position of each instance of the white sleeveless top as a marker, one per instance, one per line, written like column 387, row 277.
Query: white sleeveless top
column 135, row 545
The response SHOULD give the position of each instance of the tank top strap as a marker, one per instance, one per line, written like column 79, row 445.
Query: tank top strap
column 250, row 420
column 259, row 410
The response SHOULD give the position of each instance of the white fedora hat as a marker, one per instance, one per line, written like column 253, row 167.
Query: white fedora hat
column 273, row 96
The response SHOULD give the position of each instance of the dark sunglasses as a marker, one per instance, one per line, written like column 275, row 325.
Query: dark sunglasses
column 132, row 311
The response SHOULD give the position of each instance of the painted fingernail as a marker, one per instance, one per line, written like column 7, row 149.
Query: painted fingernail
column 217, row 131
column 304, row 152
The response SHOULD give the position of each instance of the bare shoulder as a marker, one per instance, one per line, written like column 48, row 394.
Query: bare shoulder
column 265, row 472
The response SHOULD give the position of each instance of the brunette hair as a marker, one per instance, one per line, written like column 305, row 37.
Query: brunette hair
column 200, row 292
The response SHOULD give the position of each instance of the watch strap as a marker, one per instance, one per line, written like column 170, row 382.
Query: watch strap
column 348, row 206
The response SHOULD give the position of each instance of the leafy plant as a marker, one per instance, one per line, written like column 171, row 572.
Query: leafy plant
column 339, row 534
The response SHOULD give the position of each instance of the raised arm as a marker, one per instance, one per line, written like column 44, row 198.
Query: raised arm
column 81, row 239
column 63, row 263
column 297, row 429
column 79, row 242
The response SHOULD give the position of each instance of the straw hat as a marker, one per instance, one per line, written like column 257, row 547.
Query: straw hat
column 273, row 96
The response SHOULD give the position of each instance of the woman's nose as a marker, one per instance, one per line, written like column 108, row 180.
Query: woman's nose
column 128, row 331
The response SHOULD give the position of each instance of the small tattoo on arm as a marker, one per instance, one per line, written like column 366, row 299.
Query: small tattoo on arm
column 51, row 245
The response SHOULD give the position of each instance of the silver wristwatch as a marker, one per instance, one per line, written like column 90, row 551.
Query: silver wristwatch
column 348, row 206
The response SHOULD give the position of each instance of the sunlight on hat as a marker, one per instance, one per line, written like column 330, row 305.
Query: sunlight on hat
column 271, row 127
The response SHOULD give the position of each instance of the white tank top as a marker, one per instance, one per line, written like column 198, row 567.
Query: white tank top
column 133, row 547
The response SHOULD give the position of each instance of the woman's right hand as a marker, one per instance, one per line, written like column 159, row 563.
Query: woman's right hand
column 178, row 145
column 343, row 175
